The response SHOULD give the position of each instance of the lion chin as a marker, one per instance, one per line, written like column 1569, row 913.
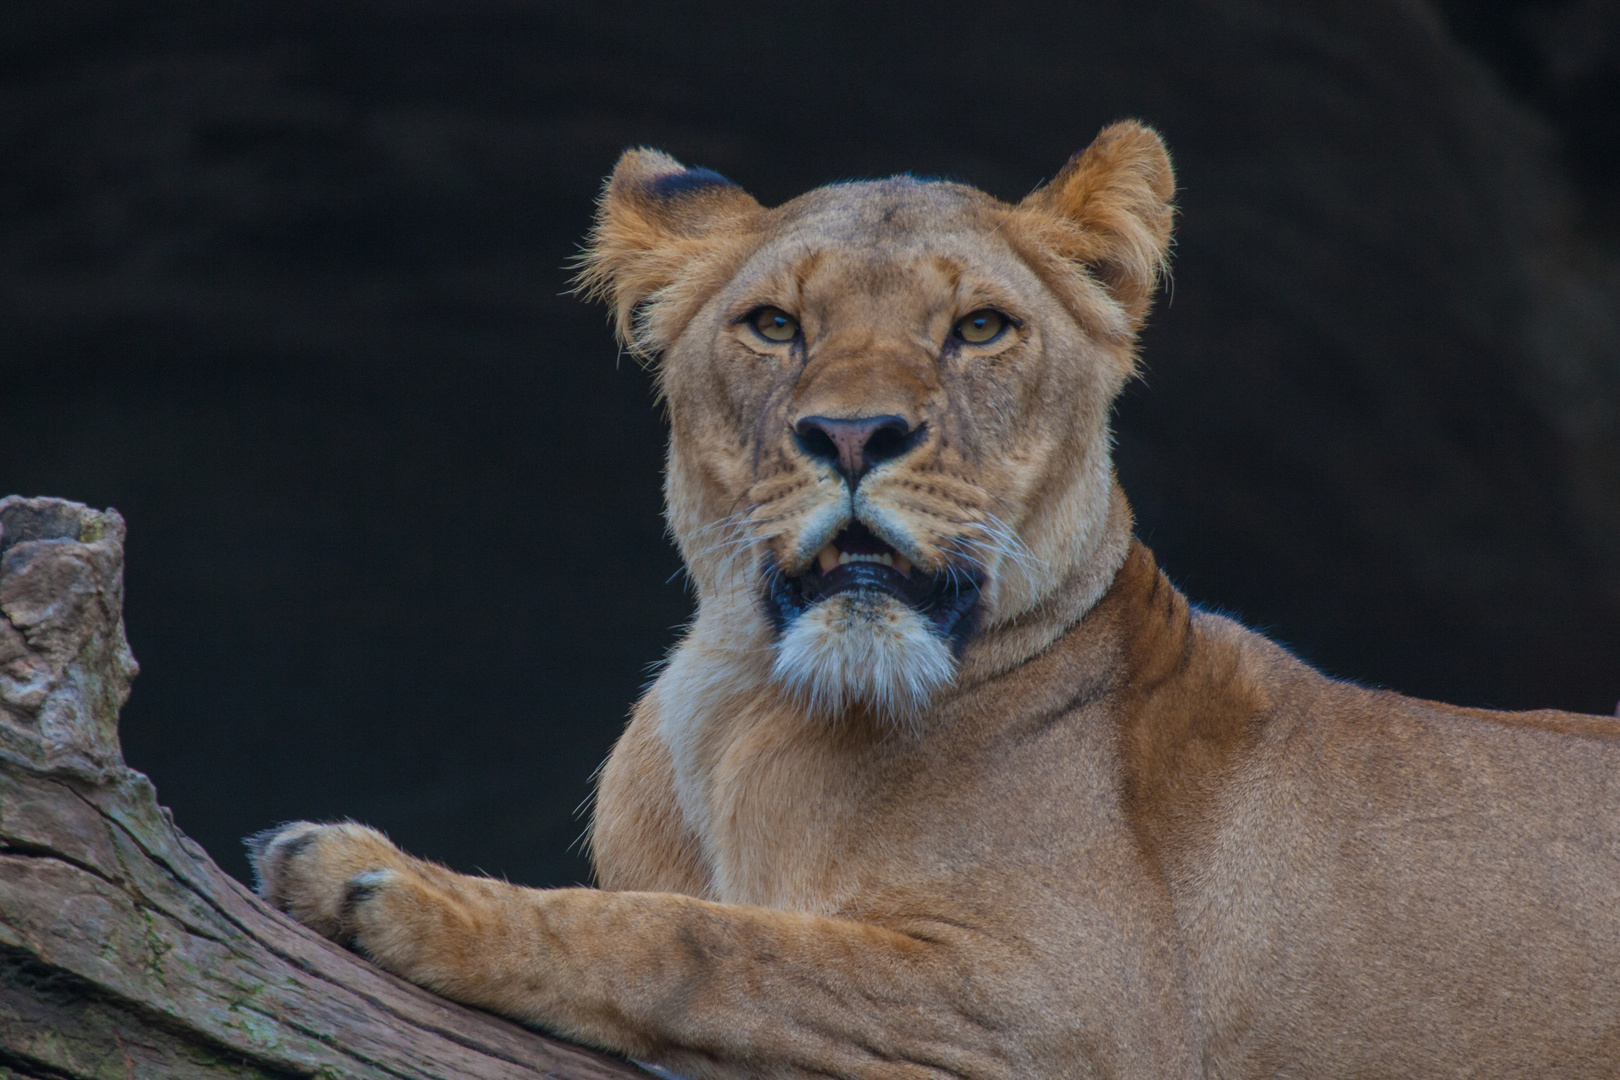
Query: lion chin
column 863, row 649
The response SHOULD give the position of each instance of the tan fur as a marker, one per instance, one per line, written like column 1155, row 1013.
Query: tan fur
column 1123, row 838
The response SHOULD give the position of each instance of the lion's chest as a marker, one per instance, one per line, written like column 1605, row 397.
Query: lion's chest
column 791, row 810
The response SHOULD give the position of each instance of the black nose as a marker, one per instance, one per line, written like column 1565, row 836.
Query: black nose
column 855, row 446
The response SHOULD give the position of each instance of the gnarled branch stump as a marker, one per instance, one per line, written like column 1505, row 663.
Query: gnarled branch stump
column 124, row 951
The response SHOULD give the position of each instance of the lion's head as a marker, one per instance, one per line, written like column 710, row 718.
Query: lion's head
column 888, row 400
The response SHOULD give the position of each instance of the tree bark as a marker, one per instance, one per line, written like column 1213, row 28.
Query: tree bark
column 124, row 951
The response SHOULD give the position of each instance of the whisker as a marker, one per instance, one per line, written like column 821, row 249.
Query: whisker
column 741, row 541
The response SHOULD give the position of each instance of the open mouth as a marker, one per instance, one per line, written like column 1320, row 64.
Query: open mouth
column 857, row 559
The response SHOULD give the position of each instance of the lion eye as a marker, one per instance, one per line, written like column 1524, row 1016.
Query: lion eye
column 981, row 326
column 774, row 324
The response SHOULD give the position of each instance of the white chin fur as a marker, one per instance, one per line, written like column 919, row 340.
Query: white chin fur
column 863, row 648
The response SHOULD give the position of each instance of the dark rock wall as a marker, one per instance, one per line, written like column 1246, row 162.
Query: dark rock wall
column 283, row 283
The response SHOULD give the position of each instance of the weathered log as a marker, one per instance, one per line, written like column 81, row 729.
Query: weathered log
column 124, row 951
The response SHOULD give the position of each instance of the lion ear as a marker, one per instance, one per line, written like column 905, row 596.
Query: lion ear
column 664, row 235
column 1115, row 196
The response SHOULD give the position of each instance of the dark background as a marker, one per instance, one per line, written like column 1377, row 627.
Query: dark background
column 284, row 283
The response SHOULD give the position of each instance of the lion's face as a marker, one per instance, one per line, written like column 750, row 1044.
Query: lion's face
column 888, row 400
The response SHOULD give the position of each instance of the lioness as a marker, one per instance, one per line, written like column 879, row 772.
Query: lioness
column 946, row 779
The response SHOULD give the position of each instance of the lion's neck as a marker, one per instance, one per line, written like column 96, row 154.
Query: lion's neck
column 772, row 796
column 1001, row 647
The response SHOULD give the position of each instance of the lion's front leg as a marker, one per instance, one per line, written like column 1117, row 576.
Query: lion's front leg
column 721, row 990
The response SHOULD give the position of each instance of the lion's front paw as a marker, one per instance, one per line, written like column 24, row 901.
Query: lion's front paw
column 322, row 874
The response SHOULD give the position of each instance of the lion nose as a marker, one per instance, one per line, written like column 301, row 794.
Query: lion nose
column 854, row 447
